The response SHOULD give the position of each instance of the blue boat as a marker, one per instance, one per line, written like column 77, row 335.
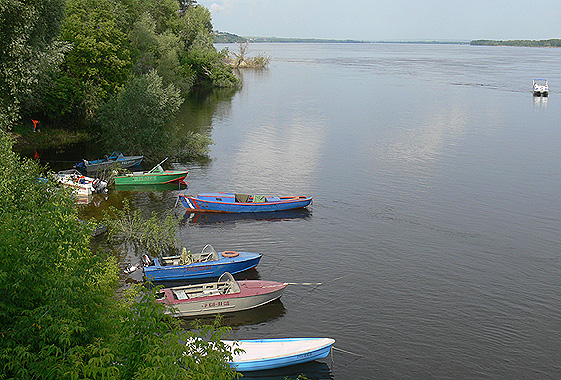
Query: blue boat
column 234, row 202
column 116, row 158
column 264, row 354
column 207, row 264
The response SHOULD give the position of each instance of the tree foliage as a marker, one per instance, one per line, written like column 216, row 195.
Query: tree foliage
column 59, row 315
column 28, row 49
column 99, row 62
column 137, row 117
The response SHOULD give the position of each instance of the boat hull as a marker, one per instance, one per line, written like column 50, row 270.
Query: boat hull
column 264, row 354
column 210, row 269
column 151, row 178
column 253, row 294
column 102, row 164
column 206, row 203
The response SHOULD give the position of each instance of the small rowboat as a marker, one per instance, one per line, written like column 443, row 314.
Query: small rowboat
column 156, row 176
column 116, row 158
column 263, row 354
column 226, row 295
column 207, row 264
column 233, row 202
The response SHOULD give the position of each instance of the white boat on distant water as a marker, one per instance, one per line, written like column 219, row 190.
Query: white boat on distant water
column 540, row 87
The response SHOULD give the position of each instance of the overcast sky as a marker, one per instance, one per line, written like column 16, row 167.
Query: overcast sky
column 387, row 20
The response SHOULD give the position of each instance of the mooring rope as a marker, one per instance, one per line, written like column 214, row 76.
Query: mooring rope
column 348, row 352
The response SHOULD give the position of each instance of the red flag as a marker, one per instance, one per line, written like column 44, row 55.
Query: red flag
column 36, row 157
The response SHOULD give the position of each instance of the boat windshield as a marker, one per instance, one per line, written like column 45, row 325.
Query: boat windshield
column 228, row 283
column 157, row 169
column 208, row 253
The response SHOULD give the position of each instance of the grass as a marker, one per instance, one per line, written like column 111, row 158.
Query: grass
column 27, row 141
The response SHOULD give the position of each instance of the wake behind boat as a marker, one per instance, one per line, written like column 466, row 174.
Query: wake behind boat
column 235, row 202
column 226, row 295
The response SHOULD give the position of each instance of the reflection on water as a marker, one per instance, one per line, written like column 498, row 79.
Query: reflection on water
column 226, row 218
column 316, row 370
column 153, row 187
column 540, row 101
column 261, row 314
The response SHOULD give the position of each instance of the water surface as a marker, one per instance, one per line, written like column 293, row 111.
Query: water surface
column 435, row 227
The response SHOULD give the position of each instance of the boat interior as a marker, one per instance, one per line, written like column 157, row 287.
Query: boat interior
column 225, row 285
column 208, row 253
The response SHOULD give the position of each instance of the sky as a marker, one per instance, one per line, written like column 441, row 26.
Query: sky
column 389, row 20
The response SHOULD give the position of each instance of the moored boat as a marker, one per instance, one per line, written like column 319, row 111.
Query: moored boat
column 81, row 185
column 263, row 354
column 155, row 176
column 224, row 296
column 207, row 264
column 235, row 202
column 116, row 158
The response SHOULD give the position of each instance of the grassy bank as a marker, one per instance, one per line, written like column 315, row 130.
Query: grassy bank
column 27, row 141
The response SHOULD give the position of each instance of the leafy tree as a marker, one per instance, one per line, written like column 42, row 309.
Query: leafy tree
column 28, row 48
column 55, row 293
column 135, row 119
column 99, row 62
column 59, row 316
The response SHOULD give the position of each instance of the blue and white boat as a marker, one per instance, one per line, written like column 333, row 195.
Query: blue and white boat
column 207, row 264
column 116, row 158
column 235, row 202
column 264, row 354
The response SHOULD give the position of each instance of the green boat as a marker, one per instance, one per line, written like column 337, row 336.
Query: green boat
column 156, row 176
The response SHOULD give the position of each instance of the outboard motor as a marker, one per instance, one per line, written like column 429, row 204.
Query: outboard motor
column 99, row 186
column 146, row 260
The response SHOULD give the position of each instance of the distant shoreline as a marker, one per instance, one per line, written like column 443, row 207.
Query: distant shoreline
column 520, row 43
column 224, row 37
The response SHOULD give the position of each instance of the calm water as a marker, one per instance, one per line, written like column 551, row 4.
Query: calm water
column 435, row 227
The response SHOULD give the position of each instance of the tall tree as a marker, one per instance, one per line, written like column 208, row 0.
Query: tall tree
column 28, row 48
column 99, row 62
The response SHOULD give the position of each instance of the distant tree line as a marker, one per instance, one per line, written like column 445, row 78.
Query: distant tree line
column 76, row 63
column 529, row 43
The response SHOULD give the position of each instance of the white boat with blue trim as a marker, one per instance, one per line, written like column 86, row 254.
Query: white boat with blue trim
column 264, row 354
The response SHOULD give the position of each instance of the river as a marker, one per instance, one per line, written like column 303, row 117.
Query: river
column 432, row 247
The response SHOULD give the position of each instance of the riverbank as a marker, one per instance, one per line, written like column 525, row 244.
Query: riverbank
column 27, row 141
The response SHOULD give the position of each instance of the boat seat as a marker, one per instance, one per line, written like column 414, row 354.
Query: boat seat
column 243, row 198
column 181, row 295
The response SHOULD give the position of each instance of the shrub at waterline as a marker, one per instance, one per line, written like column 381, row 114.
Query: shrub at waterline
column 59, row 317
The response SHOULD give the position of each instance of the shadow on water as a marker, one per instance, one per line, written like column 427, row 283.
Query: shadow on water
column 314, row 370
column 226, row 218
column 262, row 314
